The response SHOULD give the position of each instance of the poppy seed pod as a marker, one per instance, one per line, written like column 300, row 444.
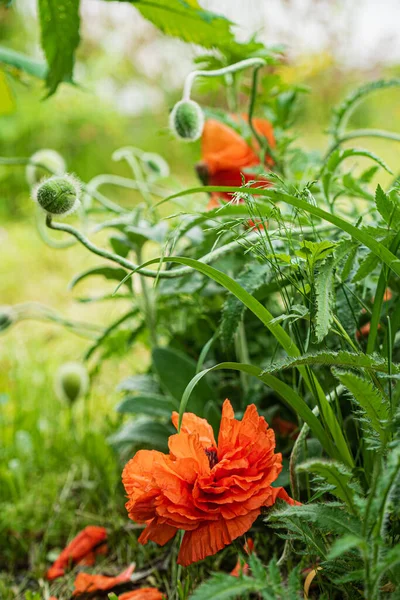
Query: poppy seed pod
column 187, row 120
column 71, row 382
column 58, row 195
column 50, row 159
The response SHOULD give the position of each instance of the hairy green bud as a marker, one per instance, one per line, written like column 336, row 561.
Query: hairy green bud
column 58, row 195
column 50, row 159
column 187, row 120
column 71, row 382
column 6, row 317
column 155, row 166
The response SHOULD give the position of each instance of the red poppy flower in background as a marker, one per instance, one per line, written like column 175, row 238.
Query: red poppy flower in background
column 143, row 594
column 82, row 549
column 285, row 428
column 226, row 157
column 85, row 583
column 239, row 568
column 214, row 492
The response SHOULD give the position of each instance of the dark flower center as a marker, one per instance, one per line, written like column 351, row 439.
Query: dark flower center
column 211, row 454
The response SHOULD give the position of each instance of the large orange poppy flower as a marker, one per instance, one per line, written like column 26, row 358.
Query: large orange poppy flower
column 214, row 492
column 226, row 158
column 82, row 549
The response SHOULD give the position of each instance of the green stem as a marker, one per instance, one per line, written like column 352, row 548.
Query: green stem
column 361, row 133
column 127, row 264
column 149, row 307
column 239, row 66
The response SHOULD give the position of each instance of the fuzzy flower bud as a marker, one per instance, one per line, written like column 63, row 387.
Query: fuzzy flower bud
column 71, row 382
column 58, row 195
column 48, row 158
column 6, row 318
column 187, row 120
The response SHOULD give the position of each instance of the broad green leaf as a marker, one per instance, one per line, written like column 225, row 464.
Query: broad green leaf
column 186, row 20
column 155, row 406
column 142, row 432
column 111, row 273
column 324, row 290
column 175, row 370
column 369, row 398
column 140, row 384
column 336, row 475
column 59, row 22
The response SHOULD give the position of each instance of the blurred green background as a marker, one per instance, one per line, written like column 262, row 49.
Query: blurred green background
column 123, row 100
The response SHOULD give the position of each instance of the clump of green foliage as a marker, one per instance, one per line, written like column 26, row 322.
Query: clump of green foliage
column 297, row 312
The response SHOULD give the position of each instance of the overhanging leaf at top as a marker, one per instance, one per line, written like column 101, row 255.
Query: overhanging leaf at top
column 59, row 22
column 186, row 20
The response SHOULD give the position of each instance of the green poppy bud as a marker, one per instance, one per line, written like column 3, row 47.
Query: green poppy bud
column 187, row 120
column 48, row 158
column 155, row 166
column 71, row 382
column 58, row 195
column 6, row 318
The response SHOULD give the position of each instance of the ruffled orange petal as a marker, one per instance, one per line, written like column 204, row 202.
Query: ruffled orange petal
column 78, row 549
column 85, row 583
column 142, row 594
column 191, row 423
column 209, row 538
column 157, row 532
column 222, row 148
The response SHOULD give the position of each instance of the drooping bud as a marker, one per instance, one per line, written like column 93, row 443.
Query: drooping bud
column 48, row 158
column 71, row 382
column 58, row 195
column 155, row 165
column 6, row 317
column 187, row 120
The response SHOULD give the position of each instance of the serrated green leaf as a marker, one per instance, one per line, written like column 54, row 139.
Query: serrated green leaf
column 372, row 362
column 324, row 291
column 387, row 206
column 327, row 517
column 186, row 20
column 369, row 398
column 59, row 22
column 366, row 267
column 222, row 587
column 336, row 475
column 175, row 370
column 344, row 544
